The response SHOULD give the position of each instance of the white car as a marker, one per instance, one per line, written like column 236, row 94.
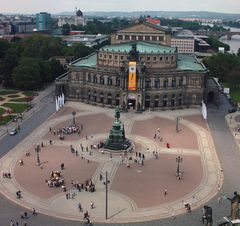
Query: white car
column 13, row 132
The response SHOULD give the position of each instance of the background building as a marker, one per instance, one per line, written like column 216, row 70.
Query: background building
column 143, row 32
column 43, row 21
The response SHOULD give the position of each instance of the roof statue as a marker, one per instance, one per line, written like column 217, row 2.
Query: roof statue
column 134, row 54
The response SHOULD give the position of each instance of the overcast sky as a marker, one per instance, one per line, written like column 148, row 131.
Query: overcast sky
column 57, row 6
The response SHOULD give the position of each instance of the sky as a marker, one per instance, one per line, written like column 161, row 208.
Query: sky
column 58, row 6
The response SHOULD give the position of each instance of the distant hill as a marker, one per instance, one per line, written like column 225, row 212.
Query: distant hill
column 174, row 14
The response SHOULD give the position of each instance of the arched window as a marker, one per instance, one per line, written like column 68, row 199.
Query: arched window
column 174, row 82
column 95, row 79
column 148, row 83
column 173, row 100
column 101, row 97
column 181, row 82
column 95, row 96
column 109, row 81
column 109, row 99
column 102, row 80
column 157, row 83
column 165, row 83
column 165, row 100
column 89, row 94
column 89, row 78
column 118, row 82
column 117, row 99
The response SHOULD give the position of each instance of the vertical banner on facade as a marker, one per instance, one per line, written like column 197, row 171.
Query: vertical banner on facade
column 132, row 78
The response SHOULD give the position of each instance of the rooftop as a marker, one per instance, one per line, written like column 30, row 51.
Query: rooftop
column 185, row 62
column 142, row 47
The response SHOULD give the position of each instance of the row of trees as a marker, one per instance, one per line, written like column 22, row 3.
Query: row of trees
column 29, row 63
column 226, row 67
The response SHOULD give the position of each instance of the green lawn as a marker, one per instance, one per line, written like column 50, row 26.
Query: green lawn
column 30, row 94
column 17, row 108
column 24, row 99
column 7, row 92
column 2, row 110
column 13, row 96
column 6, row 119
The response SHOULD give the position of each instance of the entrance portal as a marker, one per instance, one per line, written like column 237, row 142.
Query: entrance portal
column 131, row 103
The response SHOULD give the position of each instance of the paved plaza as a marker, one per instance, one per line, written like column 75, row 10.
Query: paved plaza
column 135, row 193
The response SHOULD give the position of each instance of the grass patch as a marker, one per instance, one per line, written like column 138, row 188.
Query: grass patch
column 234, row 92
column 29, row 93
column 7, row 92
column 2, row 111
column 6, row 119
column 13, row 96
column 17, row 108
column 24, row 99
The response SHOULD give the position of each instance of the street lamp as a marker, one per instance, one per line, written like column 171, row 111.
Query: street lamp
column 178, row 161
column 38, row 158
column 177, row 124
column 106, row 192
column 73, row 114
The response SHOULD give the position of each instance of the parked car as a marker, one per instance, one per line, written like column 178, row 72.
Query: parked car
column 13, row 132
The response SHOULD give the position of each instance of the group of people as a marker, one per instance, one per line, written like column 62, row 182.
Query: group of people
column 67, row 130
column 6, row 175
column 56, row 179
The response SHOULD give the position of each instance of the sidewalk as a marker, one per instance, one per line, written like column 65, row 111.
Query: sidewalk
column 233, row 120
column 27, row 114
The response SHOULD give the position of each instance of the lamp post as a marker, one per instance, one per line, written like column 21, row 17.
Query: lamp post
column 178, row 161
column 177, row 124
column 73, row 114
column 106, row 197
column 38, row 158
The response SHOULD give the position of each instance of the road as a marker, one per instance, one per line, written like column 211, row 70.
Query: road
column 225, row 145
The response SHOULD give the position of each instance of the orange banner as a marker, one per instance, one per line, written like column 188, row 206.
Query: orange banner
column 132, row 77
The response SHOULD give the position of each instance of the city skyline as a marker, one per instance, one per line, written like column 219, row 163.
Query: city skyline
column 34, row 6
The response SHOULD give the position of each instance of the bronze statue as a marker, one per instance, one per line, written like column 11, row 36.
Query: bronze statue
column 235, row 200
column 134, row 54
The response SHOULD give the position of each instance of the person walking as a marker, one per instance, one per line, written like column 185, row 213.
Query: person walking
column 80, row 207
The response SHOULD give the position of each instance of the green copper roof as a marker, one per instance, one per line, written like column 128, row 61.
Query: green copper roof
column 185, row 62
column 89, row 61
column 142, row 47
column 188, row 62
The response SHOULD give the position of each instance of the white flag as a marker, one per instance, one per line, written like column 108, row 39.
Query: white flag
column 57, row 107
column 204, row 110
column 63, row 98
column 59, row 101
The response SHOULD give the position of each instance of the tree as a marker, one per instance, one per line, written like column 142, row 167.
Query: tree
column 220, row 64
column 65, row 29
column 215, row 44
column 27, row 74
column 234, row 77
column 80, row 50
column 41, row 46
column 56, row 68
column 45, row 71
column 4, row 45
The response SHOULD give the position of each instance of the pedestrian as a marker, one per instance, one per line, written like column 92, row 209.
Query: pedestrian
column 168, row 145
column 11, row 223
column 92, row 205
column 34, row 212
column 88, row 161
column 50, row 142
column 62, row 166
column 66, row 195
column 25, row 215
column 86, row 215
column 165, row 192
column 76, row 153
column 42, row 145
column 219, row 200
column 79, row 207
column 100, row 176
column 17, row 223
column 50, row 129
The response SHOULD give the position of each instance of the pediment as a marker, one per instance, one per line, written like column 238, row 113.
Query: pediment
column 143, row 28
